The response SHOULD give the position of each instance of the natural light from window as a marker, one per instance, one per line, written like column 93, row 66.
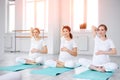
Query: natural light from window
column 11, row 22
column 35, row 14
column 79, row 15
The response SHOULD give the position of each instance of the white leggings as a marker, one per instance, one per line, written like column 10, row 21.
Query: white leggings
column 110, row 66
column 23, row 60
column 53, row 63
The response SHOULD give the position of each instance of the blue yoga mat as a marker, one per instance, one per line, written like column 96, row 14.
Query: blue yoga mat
column 18, row 67
column 94, row 75
column 51, row 71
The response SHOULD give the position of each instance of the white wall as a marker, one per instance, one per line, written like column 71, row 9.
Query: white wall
column 2, row 24
column 109, row 14
column 65, row 12
column 85, row 42
column 53, row 26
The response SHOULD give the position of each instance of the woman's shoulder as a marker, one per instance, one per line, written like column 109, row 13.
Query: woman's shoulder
column 109, row 40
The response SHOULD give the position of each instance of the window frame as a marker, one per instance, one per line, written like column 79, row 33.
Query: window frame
column 85, row 13
column 35, row 13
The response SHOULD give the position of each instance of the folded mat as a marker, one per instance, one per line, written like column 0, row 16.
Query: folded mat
column 94, row 75
column 18, row 67
column 51, row 71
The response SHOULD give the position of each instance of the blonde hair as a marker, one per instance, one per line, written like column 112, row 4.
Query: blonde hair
column 36, row 29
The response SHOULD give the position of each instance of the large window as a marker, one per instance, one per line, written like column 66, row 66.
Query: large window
column 85, row 11
column 11, row 16
column 35, row 14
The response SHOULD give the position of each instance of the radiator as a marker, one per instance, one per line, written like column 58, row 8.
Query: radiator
column 82, row 42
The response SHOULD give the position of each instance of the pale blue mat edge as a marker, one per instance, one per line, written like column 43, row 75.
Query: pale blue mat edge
column 94, row 75
column 17, row 67
column 50, row 71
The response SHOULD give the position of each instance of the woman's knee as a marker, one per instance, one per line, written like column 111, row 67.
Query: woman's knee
column 84, row 62
column 39, row 60
column 50, row 63
column 110, row 66
column 69, row 64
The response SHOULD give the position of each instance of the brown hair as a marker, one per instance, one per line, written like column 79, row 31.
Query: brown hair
column 105, row 27
column 69, row 29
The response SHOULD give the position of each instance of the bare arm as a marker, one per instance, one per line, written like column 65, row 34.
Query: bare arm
column 94, row 31
column 73, row 52
column 43, row 50
column 112, row 51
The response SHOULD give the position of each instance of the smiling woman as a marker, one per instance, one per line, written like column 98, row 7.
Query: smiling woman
column 37, row 50
column 68, row 51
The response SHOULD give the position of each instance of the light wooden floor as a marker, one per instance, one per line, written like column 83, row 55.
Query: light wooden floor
column 9, row 59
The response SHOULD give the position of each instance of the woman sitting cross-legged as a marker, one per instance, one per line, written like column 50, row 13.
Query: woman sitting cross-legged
column 102, row 49
column 37, row 51
column 68, row 51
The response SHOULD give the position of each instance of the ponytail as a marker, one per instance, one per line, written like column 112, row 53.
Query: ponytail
column 71, row 36
column 67, row 27
column 105, row 35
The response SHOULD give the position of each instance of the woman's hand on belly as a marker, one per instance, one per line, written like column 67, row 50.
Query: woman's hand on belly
column 64, row 49
column 34, row 50
column 100, row 52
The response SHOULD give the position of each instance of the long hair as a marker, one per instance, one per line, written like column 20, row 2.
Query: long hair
column 105, row 27
column 69, row 29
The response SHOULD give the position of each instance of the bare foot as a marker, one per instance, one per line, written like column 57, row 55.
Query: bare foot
column 97, row 68
column 30, row 61
column 60, row 64
column 101, row 69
